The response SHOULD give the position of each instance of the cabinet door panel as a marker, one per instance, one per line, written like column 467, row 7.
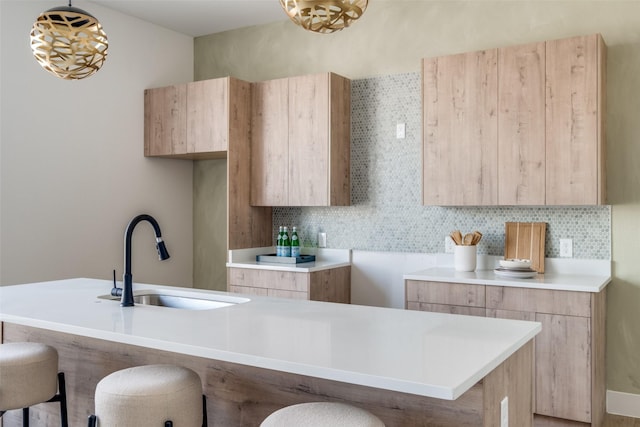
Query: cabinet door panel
column 165, row 121
column 269, row 143
column 521, row 124
column 573, row 121
column 207, row 116
column 563, row 367
column 460, row 140
column 309, row 140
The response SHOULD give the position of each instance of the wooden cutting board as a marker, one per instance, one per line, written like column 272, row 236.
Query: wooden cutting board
column 525, row 240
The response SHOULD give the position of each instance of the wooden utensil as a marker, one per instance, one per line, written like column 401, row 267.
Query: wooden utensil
column 456, row 236
column 468, row 239
column 476, row 237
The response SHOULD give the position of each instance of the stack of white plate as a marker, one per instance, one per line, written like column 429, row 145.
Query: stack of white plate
column 515, row 268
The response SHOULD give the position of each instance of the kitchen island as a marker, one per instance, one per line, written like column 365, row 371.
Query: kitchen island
column 255, row 356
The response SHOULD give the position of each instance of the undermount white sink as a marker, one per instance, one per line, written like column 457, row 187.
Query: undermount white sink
column 181, row 299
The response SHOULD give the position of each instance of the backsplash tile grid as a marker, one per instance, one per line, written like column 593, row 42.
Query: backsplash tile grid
column 386, row 212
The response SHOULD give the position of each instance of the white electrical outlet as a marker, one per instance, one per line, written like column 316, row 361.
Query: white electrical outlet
column 400, row 131
column 504, row 412
column 448, row 245
column 566, row 248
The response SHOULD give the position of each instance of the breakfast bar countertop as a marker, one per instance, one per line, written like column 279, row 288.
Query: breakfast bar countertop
column 428, row 354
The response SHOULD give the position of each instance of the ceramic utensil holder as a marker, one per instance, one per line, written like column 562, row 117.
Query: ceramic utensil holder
column 464, row 257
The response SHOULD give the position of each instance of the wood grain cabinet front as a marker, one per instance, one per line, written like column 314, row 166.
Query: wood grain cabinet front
column 301, row 141
column 569, row 351
column 332, row 285
column 194, row 120
column 519, row 125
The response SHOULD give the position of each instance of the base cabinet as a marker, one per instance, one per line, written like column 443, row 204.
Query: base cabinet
column 569, row 353
column 331, row 285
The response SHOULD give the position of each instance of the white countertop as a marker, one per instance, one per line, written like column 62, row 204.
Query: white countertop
column 325, row 259
column 429, row 354
column 555, row 281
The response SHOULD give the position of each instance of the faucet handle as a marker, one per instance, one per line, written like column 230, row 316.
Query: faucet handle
column 115, row 291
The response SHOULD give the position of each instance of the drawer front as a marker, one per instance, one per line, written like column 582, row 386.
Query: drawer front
column 269, row 279
column 539, row 301
column 445, row 293
column 248, row 290
column 443, row 308
column 279, row 293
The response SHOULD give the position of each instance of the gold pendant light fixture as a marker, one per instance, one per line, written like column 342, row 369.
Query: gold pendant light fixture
column 69, row 42
column 324, row 16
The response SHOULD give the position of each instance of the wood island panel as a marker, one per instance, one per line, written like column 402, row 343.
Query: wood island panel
column 239, row 395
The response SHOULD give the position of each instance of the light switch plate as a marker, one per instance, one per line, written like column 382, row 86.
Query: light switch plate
column 400, row 131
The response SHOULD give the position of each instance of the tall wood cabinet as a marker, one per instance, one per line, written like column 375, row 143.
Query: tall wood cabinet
column 520, row 125
column 301, row 141
column 569, row 352
column 211, row 119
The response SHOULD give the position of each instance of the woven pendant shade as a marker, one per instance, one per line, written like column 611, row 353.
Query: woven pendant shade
column 324, row 16
column 69, row 42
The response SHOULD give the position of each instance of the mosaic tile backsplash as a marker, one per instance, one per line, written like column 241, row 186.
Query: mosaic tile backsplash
column 387, row 214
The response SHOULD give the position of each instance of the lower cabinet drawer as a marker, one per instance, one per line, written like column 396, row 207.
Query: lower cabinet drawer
column 443, row 308
column 270, row 279
column 445, row 293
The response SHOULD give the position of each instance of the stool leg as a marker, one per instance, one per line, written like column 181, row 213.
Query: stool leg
column 91, row 422
column 62, row 391
column 62, row 398
column 205, row 422
column 25, row 417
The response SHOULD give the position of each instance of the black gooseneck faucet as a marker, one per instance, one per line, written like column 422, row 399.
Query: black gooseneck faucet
column 127, row 292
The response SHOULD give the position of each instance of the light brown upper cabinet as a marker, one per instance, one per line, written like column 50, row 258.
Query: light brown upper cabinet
column 521, row 125
column 460, row 129
column 575, row 133
column 191, row 120
column 300, row 142
column 547, row 103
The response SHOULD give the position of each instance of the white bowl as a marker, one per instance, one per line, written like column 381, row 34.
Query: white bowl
column 515, row 263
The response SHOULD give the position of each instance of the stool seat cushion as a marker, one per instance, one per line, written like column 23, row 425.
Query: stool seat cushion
column 148, row 396
column 28, row 374
column 322, row 414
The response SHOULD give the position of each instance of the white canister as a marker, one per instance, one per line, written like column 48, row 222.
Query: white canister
column 464, row 257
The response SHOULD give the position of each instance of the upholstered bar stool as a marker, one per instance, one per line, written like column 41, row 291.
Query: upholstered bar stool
column 150, row 396
column 28, row 376
column 322, row 414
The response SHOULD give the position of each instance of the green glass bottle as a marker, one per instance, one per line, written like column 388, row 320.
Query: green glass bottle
column 279, row 242
column 295, row 243
column 286, row 242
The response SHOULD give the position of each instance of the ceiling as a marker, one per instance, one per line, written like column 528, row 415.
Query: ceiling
column 200, row 17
